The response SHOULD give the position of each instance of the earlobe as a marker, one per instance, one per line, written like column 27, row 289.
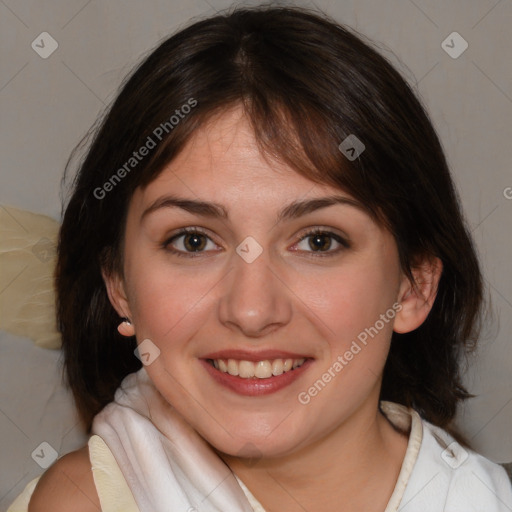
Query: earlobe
column 417, row 298
column 125, row 328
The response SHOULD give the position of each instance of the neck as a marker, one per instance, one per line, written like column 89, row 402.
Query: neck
column 365, row 452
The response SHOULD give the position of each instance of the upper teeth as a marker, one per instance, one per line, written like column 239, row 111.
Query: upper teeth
column 259, row 369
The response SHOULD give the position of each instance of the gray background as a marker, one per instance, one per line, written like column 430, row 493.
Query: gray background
column 47, row 105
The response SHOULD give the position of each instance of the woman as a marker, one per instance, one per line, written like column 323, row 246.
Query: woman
column 267, row 213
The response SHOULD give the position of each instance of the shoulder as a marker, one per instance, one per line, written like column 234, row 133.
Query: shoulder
column 450, row 477
column 67, row 485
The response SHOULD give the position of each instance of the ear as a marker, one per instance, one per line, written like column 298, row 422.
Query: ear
column 417, row 298
column 115, row 286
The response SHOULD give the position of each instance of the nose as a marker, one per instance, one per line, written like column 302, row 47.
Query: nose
column 255, row 300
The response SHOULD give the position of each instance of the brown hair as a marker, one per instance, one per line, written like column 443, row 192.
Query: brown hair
column 306, row 83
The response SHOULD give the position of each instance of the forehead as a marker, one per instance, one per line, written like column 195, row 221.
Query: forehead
column 223, row 160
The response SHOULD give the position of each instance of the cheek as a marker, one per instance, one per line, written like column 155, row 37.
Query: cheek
column 168, row 304
column 349, row 299
column 356, row 339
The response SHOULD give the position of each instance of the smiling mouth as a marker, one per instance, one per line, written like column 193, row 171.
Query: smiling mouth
column 256, row 369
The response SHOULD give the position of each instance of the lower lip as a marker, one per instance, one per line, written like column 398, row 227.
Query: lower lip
column 255, row 386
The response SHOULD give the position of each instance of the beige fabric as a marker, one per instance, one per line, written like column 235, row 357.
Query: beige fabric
column 27, row 261
column 113, row 491
column 410, row 421
column 115, row 494
column 20, row 504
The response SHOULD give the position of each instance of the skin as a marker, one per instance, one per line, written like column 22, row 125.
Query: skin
column 304, row 457
column 67, row 485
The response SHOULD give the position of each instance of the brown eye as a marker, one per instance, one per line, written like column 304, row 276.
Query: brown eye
column 194, row 242
column 320, row 242
column 323, row 243
column 189, row 241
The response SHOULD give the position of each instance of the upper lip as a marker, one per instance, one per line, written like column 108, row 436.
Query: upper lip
column 262, row 355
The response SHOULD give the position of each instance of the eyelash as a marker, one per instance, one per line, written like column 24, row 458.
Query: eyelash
column 314, row 254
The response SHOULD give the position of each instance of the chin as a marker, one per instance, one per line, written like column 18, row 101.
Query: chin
column 253, row 443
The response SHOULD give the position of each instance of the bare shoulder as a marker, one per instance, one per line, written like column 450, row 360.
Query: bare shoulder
column 67, row 485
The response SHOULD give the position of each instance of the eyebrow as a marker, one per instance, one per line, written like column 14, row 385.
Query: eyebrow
column 214, row 210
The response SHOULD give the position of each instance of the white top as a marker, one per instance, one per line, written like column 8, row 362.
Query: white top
column 163, row 464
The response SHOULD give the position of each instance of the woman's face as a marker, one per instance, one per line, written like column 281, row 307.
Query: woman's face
column 269, row 276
